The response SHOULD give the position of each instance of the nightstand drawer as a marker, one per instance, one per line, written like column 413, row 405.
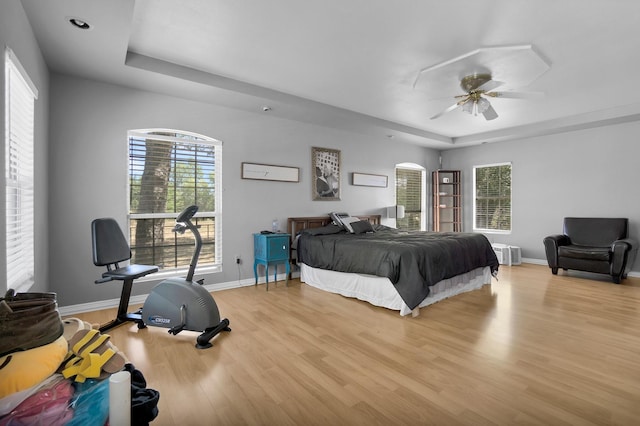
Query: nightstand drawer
column 271, row 246
column 278, row 248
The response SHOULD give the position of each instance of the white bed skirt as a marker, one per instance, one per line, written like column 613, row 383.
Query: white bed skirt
column 379, row 291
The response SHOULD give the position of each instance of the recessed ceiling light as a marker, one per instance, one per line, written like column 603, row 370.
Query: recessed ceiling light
column 80, row 23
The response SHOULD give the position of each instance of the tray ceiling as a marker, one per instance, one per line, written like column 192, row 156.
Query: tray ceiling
column 375, row 67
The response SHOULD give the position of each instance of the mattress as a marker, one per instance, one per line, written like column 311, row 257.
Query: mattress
column 380, row 291
column 413, row 261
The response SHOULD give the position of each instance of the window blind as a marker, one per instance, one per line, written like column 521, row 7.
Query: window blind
column 169, row 171
column 409, row 195
column 492, row 197
column 19, row 174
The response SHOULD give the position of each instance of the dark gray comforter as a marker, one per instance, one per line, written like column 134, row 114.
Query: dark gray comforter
column 412, row 260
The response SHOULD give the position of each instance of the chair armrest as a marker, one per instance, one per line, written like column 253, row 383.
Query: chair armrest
column 551, row 244
column 559, row 239
column 623, row 255
column 629, row 243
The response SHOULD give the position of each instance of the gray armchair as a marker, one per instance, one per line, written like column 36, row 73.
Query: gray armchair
column 599, row 245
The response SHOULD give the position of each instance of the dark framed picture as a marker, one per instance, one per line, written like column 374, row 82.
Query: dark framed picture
column 325, row 164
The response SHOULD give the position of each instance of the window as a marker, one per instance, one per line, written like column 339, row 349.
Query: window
column 20, row 96
column 170, row 170
column 410, row 194
column 492, row 202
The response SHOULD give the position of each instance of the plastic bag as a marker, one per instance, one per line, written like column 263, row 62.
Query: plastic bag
column 49, row 406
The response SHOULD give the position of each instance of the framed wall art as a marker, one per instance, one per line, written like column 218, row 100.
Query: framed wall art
column 367, row 179
column 270, row 172
column 325, row 164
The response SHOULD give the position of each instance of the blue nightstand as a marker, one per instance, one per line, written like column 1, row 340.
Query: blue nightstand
column 271, row 249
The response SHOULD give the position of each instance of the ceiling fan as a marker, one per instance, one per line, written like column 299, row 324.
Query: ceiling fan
column 479, row 87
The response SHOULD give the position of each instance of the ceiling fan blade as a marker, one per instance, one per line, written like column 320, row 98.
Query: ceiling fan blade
column 449, row 109
column 490, row 113
column 490, row 85
column 515, row 95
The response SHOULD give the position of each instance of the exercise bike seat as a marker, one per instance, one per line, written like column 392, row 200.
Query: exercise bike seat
column 130, row 272
column 110, row 247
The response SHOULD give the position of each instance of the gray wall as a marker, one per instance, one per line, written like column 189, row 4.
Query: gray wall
column 590, row 172
column 15, row 32
column 81, row 173
column 88, row 173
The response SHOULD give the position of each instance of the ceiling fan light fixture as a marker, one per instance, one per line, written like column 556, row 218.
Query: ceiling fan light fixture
column 482, row 105
column 468, row 107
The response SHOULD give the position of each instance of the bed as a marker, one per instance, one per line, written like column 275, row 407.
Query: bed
column 395, row 269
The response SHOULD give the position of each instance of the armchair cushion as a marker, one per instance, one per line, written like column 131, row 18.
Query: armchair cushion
column 584, row 252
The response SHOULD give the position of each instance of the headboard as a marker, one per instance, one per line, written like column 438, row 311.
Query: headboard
column 297, row 224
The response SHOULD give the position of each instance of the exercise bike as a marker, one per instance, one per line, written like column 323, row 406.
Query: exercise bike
column 175, row 303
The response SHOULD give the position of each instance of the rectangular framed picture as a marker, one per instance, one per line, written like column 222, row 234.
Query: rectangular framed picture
column 325, row 164
column 368, row 179
column 270, row 172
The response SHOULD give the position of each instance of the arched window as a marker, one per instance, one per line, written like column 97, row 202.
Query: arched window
column 410, row 193
column 170, row 170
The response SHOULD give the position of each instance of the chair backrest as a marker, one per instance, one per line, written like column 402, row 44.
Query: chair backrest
column 595, row 231
column 109, row 244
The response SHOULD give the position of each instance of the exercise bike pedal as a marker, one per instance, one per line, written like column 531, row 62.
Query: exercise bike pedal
column 177, row 329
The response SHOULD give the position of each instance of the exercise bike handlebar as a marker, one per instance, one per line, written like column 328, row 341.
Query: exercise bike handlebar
column 183, row 222
column 187, row 214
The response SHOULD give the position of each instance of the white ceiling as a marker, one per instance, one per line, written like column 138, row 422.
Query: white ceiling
column 352, row 64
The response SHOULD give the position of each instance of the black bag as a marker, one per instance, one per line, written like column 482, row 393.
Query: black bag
column 144, row 401
column 28, row 320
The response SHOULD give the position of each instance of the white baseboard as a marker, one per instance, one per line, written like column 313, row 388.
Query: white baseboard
column 534, row 261
column 139, row 299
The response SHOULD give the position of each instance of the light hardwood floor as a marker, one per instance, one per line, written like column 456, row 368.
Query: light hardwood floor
column 531, row 348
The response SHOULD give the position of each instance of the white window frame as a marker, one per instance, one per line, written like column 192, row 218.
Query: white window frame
column 423, row 189
column 19, row 175
column 216, row 215
column 475, row 196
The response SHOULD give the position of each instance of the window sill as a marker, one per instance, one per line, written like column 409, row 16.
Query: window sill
column 182, row 272
column 492, row 231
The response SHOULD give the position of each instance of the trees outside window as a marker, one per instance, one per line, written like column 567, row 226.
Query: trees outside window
column 169, row 171
column 492, row 201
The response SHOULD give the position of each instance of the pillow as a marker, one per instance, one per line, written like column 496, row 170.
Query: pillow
column 337, row 217
column 24, row 369
column 323, row 230
column 347, row 221
column 361, row 227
